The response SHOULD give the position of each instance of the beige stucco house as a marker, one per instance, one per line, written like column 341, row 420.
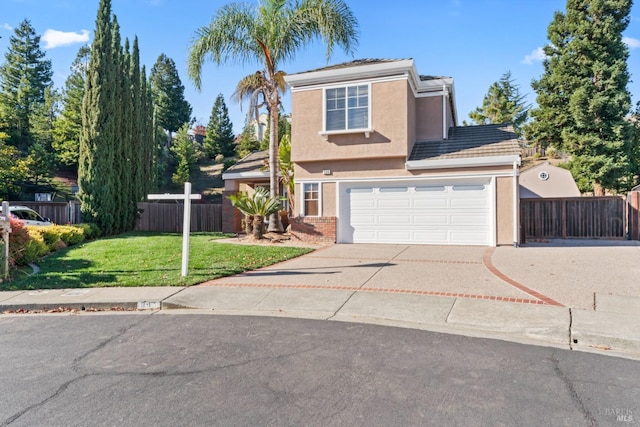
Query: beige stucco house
column 379, row 158
column 545, row 180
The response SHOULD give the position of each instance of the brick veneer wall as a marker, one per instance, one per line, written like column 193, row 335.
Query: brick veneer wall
column 313, row 229
column 231, row 217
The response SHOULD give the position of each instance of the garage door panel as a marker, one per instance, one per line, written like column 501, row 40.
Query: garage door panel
column 468, row 220
column 361, row 220
column 394, row 203
column 426, row 213
column 430, row 220
column 430, row 203
column 394, row 220
column 434, row 236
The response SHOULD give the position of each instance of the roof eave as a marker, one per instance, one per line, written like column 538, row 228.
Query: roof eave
column 246, row 175
column 346, row 73
column 463, row 162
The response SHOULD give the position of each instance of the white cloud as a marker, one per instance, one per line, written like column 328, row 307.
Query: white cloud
column 55, row 38
column 631, row 42
column 7, row 26
column 535, row 55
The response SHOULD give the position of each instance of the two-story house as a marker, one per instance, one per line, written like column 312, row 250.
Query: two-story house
column 379, row 158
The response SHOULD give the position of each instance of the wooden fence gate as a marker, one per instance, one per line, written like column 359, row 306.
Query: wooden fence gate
column 573, row 218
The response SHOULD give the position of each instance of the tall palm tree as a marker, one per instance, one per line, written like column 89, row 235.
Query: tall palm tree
column 270, row 35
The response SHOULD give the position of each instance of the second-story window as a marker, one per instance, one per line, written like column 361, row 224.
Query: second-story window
column 347, row 108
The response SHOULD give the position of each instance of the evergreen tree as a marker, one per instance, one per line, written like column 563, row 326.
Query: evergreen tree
column 23, row 79
column 185, row 154
column 97, row 145
column 219, row 138
column 247, row 141
column 582, row 95
column 172, row 108
column 503, row 103
column 68, row 127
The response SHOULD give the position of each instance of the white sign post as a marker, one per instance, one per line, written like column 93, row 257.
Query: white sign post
column 186, row 224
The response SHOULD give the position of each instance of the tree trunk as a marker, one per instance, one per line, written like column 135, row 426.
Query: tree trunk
column 598, row 190
column 258, row 226
column 274, row 219
column 248, row 224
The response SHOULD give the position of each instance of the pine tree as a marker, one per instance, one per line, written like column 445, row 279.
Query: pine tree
column 68, row 127
column 503, row 103
column 23, row 79
column 220, row 137
column 168, row 95
column 185, row 155
column 582, row 95
column 97, row 146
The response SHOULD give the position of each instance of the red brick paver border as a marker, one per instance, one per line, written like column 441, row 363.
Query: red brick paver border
column 486, row 259
column 221, row 284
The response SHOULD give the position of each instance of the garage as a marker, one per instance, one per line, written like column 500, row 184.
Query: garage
column 425, row 212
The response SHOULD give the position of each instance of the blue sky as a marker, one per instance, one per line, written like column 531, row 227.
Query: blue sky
column 473, row 41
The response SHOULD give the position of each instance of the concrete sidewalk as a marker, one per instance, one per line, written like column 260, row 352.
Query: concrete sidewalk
column 606, row 332
column 571, row 294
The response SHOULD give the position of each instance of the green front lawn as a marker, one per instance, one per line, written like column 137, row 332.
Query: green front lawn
column 148, row 259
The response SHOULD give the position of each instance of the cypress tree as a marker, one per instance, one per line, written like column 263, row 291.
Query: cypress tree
column 97, row 154
column 68, row 127
column 582, row 94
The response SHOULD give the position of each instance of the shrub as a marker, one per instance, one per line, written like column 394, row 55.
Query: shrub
column 18, row 238
column 219, row 158
column 71, row 235
column 90, row 230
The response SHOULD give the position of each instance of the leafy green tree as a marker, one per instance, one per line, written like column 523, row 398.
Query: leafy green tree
column 96, row 175
column 24, row 77
column 13, row 170
column 220, row 137
column 172, row 108
column 582, row 95
column 286, row 169
column 68, row 127
column 503, row 103
column 271, row 34
column 185, row 154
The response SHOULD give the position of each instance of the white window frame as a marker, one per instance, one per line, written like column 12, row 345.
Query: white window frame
column 367, row 131
column 302, row 198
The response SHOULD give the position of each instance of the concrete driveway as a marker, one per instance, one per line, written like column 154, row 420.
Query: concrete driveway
column 564, row 273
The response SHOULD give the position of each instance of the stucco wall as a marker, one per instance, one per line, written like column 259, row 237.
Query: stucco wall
column 504, row 211
column 388, row 119
column 428, row 118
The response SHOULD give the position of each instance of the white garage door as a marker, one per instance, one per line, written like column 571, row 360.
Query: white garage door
column 422, row 213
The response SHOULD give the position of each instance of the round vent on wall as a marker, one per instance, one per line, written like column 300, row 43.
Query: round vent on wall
column 543, row 175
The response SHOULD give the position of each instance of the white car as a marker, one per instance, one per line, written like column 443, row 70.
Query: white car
column 28, row 216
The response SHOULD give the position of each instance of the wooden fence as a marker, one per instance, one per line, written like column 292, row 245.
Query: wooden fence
column 573, row 217
column 57, row 212
column 167, row 217
column 633, row 200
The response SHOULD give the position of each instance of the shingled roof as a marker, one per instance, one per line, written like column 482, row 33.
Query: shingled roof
column 469, row 141
column 255, row 161
column 354, row 63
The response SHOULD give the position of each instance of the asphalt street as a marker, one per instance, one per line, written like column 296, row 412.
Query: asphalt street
column 159, row 369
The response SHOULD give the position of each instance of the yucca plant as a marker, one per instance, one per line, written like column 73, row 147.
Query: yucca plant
column 255, row 208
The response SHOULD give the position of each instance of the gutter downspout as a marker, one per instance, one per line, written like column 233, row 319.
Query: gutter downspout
column 516, row 205
column 444, row 111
